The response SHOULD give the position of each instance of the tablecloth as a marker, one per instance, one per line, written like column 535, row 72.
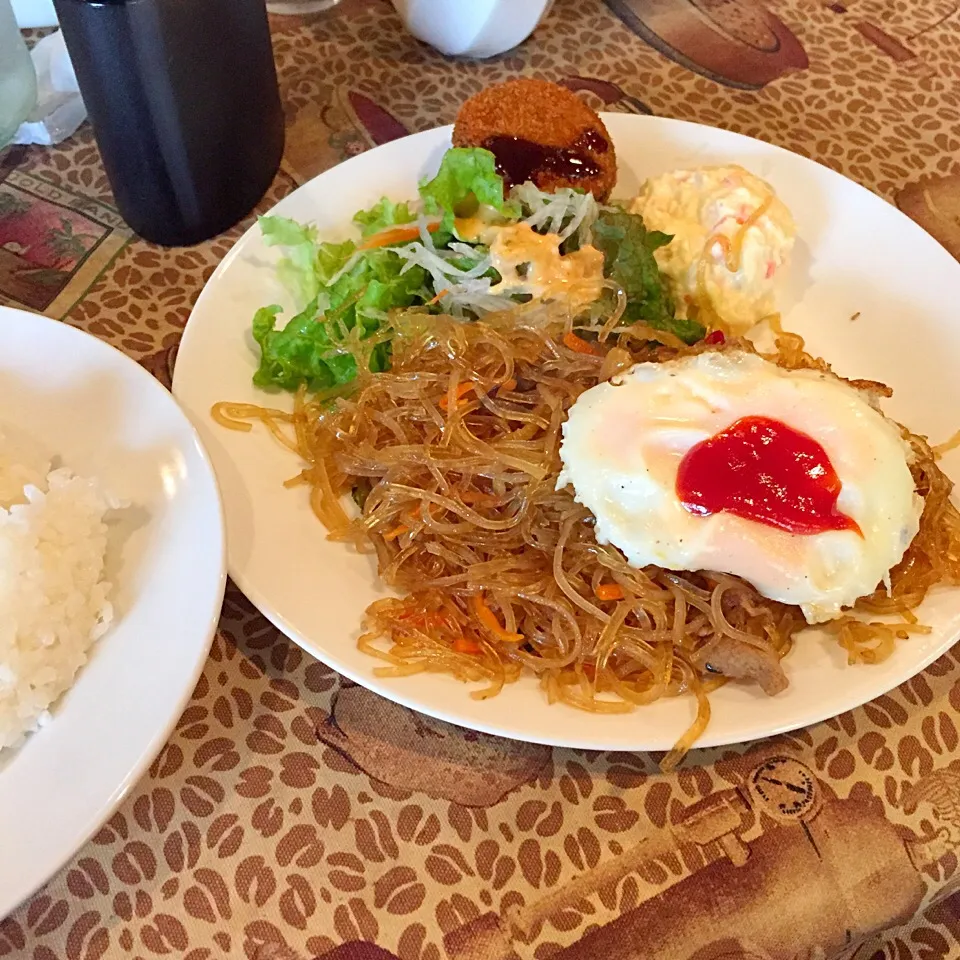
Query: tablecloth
column 294, row 815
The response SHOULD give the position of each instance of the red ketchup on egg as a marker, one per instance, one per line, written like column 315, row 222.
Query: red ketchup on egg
column 763, row 470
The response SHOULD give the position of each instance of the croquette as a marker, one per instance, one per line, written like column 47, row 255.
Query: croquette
column 542, row 132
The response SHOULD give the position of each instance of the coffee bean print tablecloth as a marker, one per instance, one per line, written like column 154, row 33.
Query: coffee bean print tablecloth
column 293, row 815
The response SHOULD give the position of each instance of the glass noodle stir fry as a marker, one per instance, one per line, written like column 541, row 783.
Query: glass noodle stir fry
column 453, row 457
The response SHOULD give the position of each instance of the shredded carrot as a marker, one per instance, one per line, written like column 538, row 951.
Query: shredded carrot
column 720, row 240
column 438, row 297
column 488, row 619
column 396, row 532
column 462, row 390
column 508, row 385
column 415, row 512
column 573, row 342
column 732, row 250
column 465, row 645
column 394, row 235
column 609, row 591
column 736, row 250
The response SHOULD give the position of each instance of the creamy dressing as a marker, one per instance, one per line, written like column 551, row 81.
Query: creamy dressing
column 470, row 229
column 531, row 263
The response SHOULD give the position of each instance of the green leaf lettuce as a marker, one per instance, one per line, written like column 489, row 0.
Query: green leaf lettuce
column 383, row 214
column 467, row 178
column 628, row 247
column 317, row 346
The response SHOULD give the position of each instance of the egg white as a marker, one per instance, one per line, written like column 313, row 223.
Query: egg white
column 624, row 440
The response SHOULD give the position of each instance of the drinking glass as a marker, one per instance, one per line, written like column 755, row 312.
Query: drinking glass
column 18, row 82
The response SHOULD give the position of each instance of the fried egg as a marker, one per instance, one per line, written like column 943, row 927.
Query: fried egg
column 629, row 446
column 732, row 239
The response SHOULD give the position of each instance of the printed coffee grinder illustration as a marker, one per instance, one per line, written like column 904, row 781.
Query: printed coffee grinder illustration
column 780, row 845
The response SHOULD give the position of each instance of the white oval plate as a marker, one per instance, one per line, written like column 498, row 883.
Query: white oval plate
column 856, row 253
column 105, row 416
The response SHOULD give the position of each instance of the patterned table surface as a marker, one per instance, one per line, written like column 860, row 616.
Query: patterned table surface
column 295, row 815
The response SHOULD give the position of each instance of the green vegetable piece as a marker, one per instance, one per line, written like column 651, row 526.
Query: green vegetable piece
column 302, row 352
column 385, row 213
column 331, row 258
column 311, row 348
column 296, row 269
column 307, row 265
column 360, row 491
column 467, row 178
column 627, row 247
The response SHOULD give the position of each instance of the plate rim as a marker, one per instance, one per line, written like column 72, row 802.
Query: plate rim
column 39, row 876
column 396, row 693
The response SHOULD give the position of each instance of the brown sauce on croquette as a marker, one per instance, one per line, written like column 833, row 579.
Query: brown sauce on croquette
column 519, row 160
column 540, row 131
column 593, row 140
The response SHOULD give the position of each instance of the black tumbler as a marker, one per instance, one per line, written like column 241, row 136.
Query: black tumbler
column 183, row 99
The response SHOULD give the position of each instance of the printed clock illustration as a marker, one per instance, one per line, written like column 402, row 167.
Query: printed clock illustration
column 785, row 789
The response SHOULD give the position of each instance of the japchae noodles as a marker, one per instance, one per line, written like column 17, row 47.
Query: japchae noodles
column 453, row 458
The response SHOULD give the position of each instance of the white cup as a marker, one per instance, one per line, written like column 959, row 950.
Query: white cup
column 472, row 28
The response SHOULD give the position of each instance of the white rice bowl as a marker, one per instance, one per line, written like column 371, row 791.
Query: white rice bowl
column 53, row 596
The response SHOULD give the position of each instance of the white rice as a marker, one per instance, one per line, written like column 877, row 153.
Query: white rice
column 53, row 598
